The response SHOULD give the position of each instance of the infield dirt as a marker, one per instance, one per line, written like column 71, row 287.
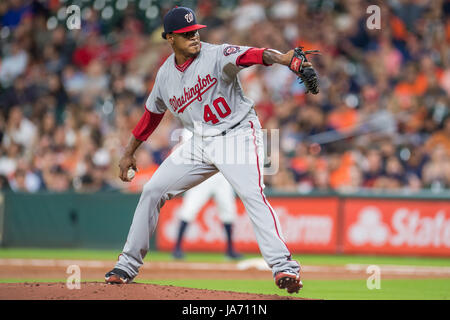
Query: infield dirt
column 56, row 269
column 133, row 291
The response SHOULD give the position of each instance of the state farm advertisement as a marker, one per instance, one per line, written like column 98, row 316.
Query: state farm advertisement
column 308, row 225
column 397, row 227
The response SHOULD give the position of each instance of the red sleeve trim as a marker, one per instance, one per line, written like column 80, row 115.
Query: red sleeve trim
column 250, row 57
column 147, row 124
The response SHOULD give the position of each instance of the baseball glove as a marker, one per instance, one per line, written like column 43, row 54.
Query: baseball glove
column 307, row 75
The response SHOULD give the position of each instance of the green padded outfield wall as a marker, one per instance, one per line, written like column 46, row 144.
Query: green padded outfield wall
column 102, row 220
column 99, row 220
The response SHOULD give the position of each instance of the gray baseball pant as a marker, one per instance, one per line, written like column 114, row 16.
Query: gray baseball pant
column 239, row 156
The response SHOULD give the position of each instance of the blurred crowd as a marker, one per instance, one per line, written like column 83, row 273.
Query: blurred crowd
column 70, row 98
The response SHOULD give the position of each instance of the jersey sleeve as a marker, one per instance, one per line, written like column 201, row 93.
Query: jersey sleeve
column 228, row 56
column 251, row 57
column 155, row 102
column 146, row 125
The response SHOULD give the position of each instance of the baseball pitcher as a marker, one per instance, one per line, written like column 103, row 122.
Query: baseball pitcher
column 198, row 83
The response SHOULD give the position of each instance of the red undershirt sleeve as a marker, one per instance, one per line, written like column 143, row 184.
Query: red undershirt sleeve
column 147, row 124
column 250, row 57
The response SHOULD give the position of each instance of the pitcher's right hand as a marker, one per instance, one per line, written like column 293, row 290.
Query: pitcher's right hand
column 125, row 163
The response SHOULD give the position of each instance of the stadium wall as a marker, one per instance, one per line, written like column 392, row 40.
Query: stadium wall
column 74, row 220
column 357, row 223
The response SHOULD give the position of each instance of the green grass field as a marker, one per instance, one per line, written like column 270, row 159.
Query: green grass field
column 398, row 289
column 310, row 259
column 423, row 289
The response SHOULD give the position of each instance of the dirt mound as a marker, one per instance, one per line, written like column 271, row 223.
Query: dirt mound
column 133, row 291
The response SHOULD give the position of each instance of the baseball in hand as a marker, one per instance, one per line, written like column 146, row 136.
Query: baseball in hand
column 130, row 174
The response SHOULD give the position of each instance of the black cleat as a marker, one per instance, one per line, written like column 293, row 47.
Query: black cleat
column 117, row 276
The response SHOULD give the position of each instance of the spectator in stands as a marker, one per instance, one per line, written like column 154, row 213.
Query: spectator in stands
column 441, row 137
column 19, row 129
column 372, row 168
column 13, row 65
column 436, row 173
column 58, row 180
column 69, row 98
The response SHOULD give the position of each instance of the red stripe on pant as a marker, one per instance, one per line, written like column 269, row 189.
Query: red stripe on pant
column 261, row 189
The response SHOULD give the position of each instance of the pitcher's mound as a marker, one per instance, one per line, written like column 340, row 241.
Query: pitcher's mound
column 133, row 291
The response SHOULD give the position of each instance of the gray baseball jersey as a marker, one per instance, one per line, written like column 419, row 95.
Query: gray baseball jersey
column 207, row 97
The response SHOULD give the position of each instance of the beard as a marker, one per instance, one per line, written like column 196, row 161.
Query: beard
column 191, row 52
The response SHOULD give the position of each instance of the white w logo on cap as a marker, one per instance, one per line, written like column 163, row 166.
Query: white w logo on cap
column 189, row 17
